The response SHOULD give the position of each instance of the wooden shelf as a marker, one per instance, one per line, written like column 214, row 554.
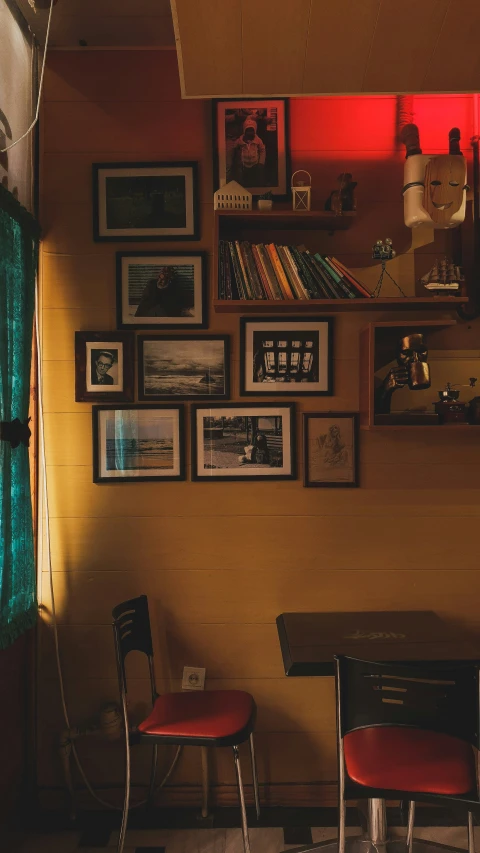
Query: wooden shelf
column 434, row 427
column 285, row 218
column 301, row 306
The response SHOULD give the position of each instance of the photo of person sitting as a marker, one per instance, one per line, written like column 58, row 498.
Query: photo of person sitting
column 102, row 362
column 165, row 296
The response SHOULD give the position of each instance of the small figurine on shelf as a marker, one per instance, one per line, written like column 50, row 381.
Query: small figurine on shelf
column 301, row 191
column 444, row 277
column 342, row 200
column 449, row 409
column 265, row 201
column 384, row 252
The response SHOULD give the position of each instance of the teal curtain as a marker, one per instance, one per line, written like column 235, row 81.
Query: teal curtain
column 18, row 262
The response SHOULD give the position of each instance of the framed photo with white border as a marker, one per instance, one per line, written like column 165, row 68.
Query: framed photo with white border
column 330, row 449
column 243, row 441
column 183, row 367
column 104, row 367
column 286, row 357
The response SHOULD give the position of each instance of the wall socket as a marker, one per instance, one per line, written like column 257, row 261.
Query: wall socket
column 193, row 678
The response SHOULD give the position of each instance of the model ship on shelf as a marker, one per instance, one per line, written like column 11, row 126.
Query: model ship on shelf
column 444, row 277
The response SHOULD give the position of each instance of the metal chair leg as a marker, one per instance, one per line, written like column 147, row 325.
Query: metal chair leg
column 126, row 801
column 341, row 825
column 205, row 781
column 238, row 770
column 410, row 825
column 471, row 838
column 153, row 773
column 255, row 776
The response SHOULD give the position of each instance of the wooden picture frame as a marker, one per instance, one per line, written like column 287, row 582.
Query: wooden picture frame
column 93, row 376
column 147, row 444
column 243, row 441
column 182, row 304
column 330, row 457
column 286, row 357
column 145, row 201
column 205, row 360
column 268, row 120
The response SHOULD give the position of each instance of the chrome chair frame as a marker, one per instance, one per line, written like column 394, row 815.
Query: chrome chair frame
column 122, row 629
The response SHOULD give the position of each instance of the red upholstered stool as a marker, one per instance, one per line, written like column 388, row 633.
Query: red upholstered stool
column 201, row 718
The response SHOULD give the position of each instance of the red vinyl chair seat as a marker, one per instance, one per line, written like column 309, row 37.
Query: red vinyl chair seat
column 408, row 759
column 200, row 715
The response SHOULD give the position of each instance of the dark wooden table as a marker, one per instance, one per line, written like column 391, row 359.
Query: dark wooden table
column 310, row 640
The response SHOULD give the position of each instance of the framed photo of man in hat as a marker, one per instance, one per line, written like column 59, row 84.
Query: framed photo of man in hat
column 251, row 145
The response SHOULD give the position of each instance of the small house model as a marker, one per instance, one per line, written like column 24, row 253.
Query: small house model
column 232, row 196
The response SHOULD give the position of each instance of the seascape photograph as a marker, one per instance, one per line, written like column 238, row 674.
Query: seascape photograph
column 192, row 368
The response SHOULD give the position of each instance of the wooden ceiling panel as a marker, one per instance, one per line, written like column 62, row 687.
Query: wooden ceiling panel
column 455, row 63
column 209, row 46
column 403, row 42
column 274, row 42
column 339, row 39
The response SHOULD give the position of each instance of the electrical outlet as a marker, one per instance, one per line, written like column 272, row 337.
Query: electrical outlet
column 193, row 678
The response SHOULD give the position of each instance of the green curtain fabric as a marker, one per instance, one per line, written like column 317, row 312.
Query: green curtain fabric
column 18, row 263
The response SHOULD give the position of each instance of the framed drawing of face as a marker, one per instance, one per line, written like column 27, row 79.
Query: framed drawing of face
column 243, row 441
column 330, row 447
column 161, row 290
column 251, row 145
column 104, row 366
column 286, row 357
column 138, row 443
column 145, row 201
column 187, row 367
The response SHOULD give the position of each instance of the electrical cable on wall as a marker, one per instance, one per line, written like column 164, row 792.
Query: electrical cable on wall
column 46, row 538
column 40, row 87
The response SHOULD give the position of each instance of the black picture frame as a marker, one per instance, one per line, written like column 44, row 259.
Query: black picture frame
column 188, row 169
column 97, row 455
column 323, row 387
column 88, row 346
column 264, row 410
column 165, row 341
column 196, row 260
column 283, row 193
column 336, row 449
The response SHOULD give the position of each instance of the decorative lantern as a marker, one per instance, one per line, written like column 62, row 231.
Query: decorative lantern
column 301, row 191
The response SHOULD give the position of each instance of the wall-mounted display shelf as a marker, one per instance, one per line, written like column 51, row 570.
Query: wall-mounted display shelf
column 313, row 306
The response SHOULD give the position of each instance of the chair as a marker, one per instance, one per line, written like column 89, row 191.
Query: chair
column 202, row 718
column 407, row 732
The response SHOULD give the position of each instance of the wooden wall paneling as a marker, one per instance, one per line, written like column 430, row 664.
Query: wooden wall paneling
column 404, row 39
column 210, row 30
column 273, row 45
column 454, row 64
column 79, row 279
column 60, row 325
column 338, row 45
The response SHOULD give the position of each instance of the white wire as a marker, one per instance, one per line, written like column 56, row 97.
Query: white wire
column 46, row 532
column 40, row 87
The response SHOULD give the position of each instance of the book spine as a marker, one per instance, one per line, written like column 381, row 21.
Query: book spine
column 228, row 271
column 288, row 273
column 221, row 271
column 258, row 290
column 331, row 277
column 261, row 272
column 342, row 282
column 237, row 271
column 241, row 261
column 322, row 278
column 270, row 272
column 296, row 274
column 352, row 279
column 282, row 279
column 309, row 278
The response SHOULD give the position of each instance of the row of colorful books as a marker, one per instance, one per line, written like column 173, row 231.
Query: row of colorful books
column 270, row 271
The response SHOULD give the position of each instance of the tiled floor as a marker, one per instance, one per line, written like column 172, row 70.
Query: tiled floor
column 263, row 840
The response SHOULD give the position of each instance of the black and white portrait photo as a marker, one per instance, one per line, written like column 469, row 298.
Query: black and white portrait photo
column 104, row 366
column 145, row 201
column 237, row 442
column 156, row 290
column 330, row 448
column 195, row 368
column 138, row 443
column 286, row 356
column 252, row 145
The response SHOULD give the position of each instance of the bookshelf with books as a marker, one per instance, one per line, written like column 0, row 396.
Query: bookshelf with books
column 262, row 265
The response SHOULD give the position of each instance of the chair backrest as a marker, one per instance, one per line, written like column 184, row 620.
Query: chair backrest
column 441, row 698
column 131, row 629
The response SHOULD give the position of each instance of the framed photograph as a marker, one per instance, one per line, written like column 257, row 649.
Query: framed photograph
column 243, row 442
column 190, row 367
column 145, row 201
column 135, row 443
column 251, row 145
column 330, row 448
column 104, row 367
column 286, row 357
column 162, row 290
